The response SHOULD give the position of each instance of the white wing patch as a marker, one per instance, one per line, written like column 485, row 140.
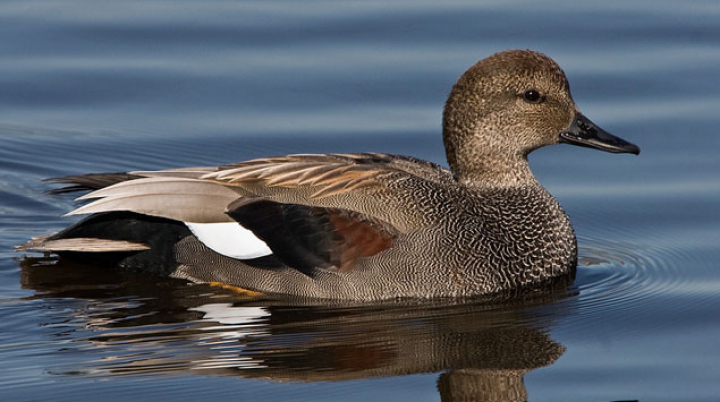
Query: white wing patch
column 230, row 240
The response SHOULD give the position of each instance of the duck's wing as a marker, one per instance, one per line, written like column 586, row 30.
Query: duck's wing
column 175, row 194
column 398, row 190
column 373, row 184
column 177, row 198
column 311, row 211
column 307, row 238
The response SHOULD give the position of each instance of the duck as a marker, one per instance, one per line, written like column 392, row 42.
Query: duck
column 360, row 226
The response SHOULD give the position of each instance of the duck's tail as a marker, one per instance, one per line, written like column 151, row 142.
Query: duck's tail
column 89, row 182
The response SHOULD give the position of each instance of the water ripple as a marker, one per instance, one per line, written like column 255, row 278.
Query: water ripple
column 617, row 278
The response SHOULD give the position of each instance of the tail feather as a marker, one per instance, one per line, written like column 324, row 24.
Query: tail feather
column 80, row 244
column 35, row 244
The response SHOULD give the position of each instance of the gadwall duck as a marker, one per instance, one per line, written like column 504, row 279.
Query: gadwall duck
column 361, row 226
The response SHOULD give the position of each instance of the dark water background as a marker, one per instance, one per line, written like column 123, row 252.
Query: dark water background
column 91, row 86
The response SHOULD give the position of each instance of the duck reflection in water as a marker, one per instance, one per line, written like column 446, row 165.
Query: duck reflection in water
column 482, row 348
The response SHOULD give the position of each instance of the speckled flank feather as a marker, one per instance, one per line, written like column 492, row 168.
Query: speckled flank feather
column 364, row 226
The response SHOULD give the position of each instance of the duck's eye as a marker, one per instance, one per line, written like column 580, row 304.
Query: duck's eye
column 532, row 96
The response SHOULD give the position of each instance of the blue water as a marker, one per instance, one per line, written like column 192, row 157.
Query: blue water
column 88, row 86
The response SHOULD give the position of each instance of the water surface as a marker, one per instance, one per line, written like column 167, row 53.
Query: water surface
column 92, row 87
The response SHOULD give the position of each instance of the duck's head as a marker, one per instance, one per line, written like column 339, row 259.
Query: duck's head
column 506, row 106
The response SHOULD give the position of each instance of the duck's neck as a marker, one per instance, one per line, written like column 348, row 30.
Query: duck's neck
column 479, row 166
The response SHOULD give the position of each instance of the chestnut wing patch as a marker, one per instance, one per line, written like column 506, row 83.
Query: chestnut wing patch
column 307, row 237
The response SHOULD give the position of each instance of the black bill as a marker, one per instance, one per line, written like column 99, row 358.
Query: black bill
column 585, row 133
